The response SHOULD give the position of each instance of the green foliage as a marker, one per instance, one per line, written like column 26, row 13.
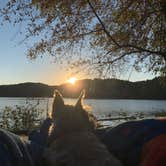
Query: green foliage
column 21, row 118
column 113, row 32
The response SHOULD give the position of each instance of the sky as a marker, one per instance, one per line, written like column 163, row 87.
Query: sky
column 15, row 67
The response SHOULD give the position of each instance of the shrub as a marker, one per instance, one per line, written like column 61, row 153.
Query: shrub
column 21, row 118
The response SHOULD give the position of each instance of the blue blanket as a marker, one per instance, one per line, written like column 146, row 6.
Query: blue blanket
column 13, row 151
column 126, row 140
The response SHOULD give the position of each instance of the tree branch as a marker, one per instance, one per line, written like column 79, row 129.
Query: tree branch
column 163, row 54
column 140, row 49
column 120, row 57
column 102, row 24
column 87, row 33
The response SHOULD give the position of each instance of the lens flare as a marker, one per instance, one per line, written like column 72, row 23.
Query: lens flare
column 72, row 80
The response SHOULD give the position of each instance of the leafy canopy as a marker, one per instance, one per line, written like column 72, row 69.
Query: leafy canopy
column 106, row 34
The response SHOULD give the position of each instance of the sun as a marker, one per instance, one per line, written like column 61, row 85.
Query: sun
column 72, row 80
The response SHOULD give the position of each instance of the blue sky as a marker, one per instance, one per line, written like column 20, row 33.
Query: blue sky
column 15, row 67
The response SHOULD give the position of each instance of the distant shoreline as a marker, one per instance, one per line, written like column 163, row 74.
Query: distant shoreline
column 95, row 89
column 76, row 98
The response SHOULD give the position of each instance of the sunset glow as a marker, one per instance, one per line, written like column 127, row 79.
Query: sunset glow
column 72, row 80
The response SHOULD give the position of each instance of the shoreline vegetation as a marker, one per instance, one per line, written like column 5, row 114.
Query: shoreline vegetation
column 153, row 89
column 23, row 119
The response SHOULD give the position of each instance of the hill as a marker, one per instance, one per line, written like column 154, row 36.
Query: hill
column 97, row 89
column 26, row 90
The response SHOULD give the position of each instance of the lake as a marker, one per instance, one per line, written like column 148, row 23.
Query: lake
column 98, row 107
column 101, row 108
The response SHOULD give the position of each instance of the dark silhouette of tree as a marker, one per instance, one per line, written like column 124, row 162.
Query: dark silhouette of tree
column 112, row 32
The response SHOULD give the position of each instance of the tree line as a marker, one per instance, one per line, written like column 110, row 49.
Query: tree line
column 96, row 89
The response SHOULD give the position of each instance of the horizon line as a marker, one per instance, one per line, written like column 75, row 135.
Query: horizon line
column 77, row 80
